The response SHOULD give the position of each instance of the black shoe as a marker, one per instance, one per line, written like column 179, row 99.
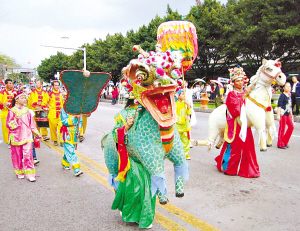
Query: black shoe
column 287, row 146
column 179, row 194
column 282, row 147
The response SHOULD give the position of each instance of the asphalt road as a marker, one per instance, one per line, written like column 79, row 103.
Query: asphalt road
column 60, row 201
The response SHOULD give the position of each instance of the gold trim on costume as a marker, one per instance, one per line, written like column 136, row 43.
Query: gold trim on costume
column 226, row 132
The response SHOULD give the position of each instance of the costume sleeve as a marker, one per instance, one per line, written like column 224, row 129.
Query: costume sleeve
column 119, row 122
column 31, row 101
column 80, row 126
column 1, row 100
column 11, row 122
column 32, row 124
column 68, row 120
column 281, row 101
column 45, row 100
column 234, row 104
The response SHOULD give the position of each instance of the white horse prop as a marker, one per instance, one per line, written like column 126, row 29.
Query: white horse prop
column 258, row 108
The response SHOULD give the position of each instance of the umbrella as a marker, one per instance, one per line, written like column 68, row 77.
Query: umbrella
column 216, row 81
column 200, row 80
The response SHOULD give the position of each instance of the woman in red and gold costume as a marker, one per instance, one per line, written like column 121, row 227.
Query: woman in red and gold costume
column 238, row 155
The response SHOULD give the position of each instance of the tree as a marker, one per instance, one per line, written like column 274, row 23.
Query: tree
column 6, row 62
column 50, row 66
column 211, row 22
column 266, row 29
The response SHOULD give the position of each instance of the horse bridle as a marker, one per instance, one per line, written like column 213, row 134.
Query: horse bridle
column 270, row 76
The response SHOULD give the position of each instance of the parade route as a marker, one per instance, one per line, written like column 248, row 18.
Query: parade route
column 213, row 201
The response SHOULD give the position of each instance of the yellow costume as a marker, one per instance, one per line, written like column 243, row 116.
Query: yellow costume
column 5, row 97
column 84, row 122
column 183, row 126
column 55, row 105
column 39, row 98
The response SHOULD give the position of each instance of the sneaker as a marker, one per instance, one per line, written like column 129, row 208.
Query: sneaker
column 188, row 157
column 77, row 172
column 32, row 179
column 66, row 167
column 8, row 146
column 81, row 138
column 55, row 143
column 36, row 161
column 21, row 177
column 149, row 227
column 282, row 147
column 46, row 138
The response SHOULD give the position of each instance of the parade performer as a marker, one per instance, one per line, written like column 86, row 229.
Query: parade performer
column 6, row 97
column 22, row 127
column 38, row 100
column 285, row 117
column 84, row 125
column 183, row 112
column 238, row 155
column 69, row 131
column 131, row 175
column 55, row 104
column 146, row 133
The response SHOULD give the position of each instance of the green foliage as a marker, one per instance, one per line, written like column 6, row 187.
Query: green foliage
column 6, row 60
column 55, row 63
column 240, row 32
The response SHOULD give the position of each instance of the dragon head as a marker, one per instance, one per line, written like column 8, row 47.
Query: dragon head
column 153, row 79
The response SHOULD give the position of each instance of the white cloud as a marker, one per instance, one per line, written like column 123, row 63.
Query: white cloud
column 25, row 25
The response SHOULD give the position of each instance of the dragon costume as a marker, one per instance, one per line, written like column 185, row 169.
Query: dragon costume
column 135, row 157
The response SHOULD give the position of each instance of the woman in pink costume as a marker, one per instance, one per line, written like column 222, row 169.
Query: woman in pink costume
column 21, row 125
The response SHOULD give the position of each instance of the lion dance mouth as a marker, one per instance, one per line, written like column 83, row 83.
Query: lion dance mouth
column 160, row 103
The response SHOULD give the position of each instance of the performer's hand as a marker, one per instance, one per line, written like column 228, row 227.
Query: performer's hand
column 17, row 117
column 77, row 116
column 6, row 105
column 278, row 117
column 187, row 102
column 46, row 109
column 130, row 121
column 247, row 92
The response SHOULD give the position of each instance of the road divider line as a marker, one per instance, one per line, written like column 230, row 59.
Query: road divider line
column 167, row 222
column 159, row 217
column 188, row 218
column 183, row 215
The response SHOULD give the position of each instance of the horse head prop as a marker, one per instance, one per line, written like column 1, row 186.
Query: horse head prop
column 268, row 73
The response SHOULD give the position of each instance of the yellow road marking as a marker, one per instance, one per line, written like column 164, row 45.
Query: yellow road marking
column 188, row 218
column 167, row 222
column 159, row 217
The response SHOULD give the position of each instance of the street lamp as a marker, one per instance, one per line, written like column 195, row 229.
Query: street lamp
column 70, row 48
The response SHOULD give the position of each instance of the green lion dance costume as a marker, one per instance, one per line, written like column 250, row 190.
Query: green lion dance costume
column 135, row 154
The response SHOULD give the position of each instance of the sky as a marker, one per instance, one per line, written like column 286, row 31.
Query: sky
column 25, row 25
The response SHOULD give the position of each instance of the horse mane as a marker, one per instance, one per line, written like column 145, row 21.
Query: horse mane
column 254, row 79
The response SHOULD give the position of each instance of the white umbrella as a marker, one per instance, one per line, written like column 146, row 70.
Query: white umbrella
column 200, row 80
column 216, row 81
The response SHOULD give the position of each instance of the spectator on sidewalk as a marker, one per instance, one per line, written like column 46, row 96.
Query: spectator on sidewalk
column 115, row 94
column 285, row 117
column 295, row 95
